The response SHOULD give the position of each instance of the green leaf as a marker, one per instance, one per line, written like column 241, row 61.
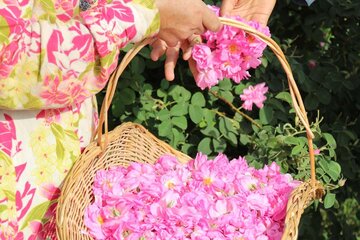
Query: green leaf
column 334, row 170
column 264, row 61
column 117, row 108
column 232, row 138
column 229, row 126
column 165, row 128
column 273, row 142
column 222, row 127
column 126, row 96
column 266, row 114
column 227, row 95
column 209, row 117
column 180, row 121
column 164, row 84
column 311, row 102
column 329, row 200
column 320, row 171
column 226, row 128
column 198, row 99
column 202, row 124
column 225, row 84
column 324, row 96
column 211, row 132
column 180, row 109
column 36, row 213
column 161, row 93
column 196, row 113
column 145, row 52
column 137, row 65
column 244, row 139
column 204, row 146
column 179, row 93
column 240, row 88
column 330, row 140
column 163, row 115
column 324, row 165
column 284, row 96
column 186, row 148
column 332, row 152
column 219, row 145
column 177, row 137
column 297, row 149
column 326, row 179
column 291, row 140
column 276, row 104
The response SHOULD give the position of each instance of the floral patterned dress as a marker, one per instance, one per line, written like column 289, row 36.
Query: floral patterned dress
column 54, row 57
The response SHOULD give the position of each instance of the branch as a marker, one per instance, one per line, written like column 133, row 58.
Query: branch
column 234, row 108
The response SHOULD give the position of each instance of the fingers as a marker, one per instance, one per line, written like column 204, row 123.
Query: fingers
column 226, row 7
column 159, row 49
column 186, row 48
column 172, row 55
column 210, row 20
column 193, row 69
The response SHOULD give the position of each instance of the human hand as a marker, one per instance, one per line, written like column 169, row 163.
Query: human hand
column 179, row 20
column 159, row 48
column 255, row 10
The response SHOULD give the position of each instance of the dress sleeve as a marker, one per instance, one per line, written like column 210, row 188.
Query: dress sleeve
column 51, row 57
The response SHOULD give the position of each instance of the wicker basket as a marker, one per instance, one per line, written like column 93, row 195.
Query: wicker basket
column 131, row 142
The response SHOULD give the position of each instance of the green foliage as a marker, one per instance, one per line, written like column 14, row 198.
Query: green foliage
column 321, row 44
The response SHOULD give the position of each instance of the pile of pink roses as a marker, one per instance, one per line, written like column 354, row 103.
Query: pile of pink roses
column 202, row 199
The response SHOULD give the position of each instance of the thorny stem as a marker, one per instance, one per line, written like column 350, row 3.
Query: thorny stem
column 222, row 115
column 235, row 109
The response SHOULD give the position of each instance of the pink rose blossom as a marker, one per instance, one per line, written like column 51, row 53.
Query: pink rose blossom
column 254, row 95
column 202, row 56
column 207, row 78
column 228, row 53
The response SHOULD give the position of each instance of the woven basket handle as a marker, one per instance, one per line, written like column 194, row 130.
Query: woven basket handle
column 111, row 87
column 297, row 101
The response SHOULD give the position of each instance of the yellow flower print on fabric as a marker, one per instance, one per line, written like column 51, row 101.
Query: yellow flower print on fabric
column 39, row 139
column 44, row 171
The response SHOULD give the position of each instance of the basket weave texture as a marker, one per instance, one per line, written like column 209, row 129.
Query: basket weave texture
column 131, row 142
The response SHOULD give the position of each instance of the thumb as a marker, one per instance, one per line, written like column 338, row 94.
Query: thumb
column 210, row 20
column 226, row 7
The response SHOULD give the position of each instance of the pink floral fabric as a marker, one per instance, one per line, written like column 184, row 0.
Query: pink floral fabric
column 53, row 59
column 54, row 55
